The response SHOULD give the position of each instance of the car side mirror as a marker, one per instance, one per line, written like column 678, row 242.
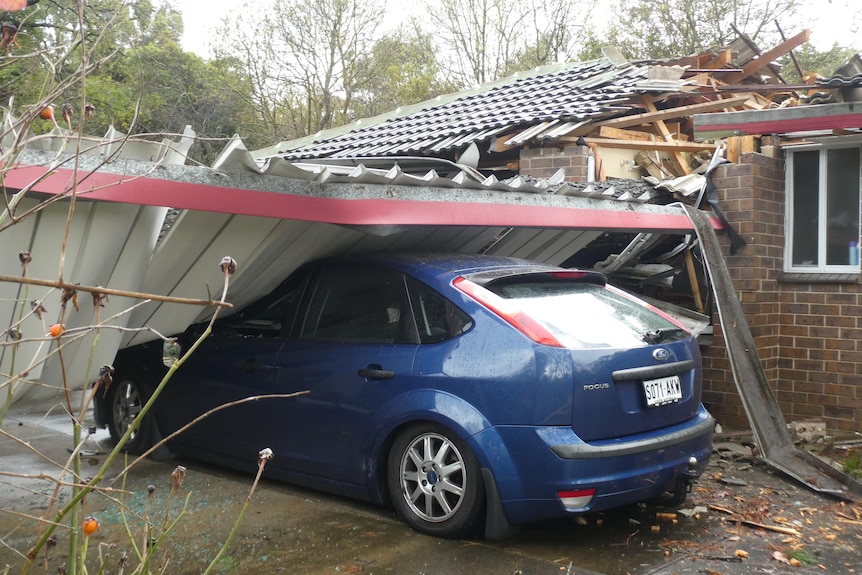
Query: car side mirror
column 171, row 351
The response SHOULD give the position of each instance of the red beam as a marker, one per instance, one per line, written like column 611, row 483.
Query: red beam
column 843, row 121
column 379, row 211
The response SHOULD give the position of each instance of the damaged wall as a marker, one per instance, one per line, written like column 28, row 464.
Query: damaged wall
column 808, row 333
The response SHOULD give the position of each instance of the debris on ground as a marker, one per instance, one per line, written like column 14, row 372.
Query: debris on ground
column 769, row 523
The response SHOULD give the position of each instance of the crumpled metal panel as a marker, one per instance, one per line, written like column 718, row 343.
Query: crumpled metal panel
column 424, row 172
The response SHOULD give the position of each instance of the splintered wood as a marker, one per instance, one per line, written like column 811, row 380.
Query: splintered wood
column 663, row 132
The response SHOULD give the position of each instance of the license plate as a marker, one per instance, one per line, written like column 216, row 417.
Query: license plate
column 662, row 391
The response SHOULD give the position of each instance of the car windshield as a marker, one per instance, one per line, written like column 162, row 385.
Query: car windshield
column 583, row 315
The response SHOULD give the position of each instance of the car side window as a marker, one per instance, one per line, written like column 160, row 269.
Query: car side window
column 437, row 319
column 358, row 304
column 270, row 316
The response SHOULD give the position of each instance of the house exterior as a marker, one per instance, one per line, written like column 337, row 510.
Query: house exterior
column 798, row 204
column 576, row 164
column 791, row 188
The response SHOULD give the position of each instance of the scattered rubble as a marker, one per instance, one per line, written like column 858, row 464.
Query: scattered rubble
column 766, row 520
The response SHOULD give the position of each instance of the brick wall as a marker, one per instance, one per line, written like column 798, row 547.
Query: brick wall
column 751, row 196
column 808, row 334
column 545, row 162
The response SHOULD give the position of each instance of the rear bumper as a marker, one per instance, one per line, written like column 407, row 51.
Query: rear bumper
column 622, row 472
column 634, row 446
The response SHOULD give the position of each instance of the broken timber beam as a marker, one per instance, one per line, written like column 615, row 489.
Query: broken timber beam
column 767, row 58
column 645, row 145
column 677, row 112
column 721, row 60
column 618, row 134
column 679, row 159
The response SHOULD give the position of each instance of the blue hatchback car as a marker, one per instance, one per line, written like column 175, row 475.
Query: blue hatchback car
column 468, row 391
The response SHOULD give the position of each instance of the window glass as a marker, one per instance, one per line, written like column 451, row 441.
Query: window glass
column 806, row 194
column 823, row 207
column 270, row 317
column 581, row 314
column 842, row 204
column 437, row 319
column 357, row 304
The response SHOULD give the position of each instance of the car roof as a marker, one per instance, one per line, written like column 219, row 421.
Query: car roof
column 435, row 264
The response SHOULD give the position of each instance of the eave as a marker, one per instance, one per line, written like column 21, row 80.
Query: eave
column 842, row 116
column 351, row 203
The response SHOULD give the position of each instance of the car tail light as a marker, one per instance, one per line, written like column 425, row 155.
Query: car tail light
column 576, row 499
column 509, row 311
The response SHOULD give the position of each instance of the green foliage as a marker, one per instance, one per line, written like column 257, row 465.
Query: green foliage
column 160, row 88
column 852, row 465
column 803, row 557
column 401, row 69
column 674, row 28
column 143, row 83
column 307, row 65
column 823, row 63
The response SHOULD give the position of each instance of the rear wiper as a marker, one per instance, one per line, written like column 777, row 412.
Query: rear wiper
column 658, row 335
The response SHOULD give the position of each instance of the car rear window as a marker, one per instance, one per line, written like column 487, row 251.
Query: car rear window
column 584, row 314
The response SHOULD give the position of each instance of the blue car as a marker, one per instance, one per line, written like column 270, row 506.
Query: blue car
column 468, row 391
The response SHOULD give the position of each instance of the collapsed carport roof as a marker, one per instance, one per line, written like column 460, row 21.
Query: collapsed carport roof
column 273, row 218
column 276, row 222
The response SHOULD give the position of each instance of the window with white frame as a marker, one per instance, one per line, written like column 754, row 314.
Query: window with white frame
column 823, row 195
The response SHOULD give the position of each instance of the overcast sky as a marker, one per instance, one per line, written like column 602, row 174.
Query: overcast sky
column 201, row 16
column 829, row 20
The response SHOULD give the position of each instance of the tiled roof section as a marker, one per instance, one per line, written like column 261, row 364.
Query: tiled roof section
column 564, row 97
column 847, row 76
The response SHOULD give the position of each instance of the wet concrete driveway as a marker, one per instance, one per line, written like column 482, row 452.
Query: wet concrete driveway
column 741, row 518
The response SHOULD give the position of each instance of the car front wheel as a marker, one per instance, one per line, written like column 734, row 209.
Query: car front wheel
column 435, row 482
column 126, row 398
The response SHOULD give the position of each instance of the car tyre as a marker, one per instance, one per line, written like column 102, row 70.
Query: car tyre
column 435, row 482
column 125, row 399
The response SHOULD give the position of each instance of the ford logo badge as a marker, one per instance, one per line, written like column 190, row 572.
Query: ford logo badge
column 661, row 354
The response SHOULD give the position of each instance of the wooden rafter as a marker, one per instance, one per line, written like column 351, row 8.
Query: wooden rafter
column 678, row 112
column 722, row 59
column 618, row 134
column 767, row 58
column 676, row 155
column 669, row 146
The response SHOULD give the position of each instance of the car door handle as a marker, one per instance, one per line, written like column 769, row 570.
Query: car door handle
column 376, row 373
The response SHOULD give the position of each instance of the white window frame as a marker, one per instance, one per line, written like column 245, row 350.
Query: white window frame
column 821, row 266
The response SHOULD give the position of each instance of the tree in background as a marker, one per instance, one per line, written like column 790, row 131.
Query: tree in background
column 401, row 69
column 673, row 28
column 243, row 58
column 303, row 66
column 140, row 81
column 319, row 44
column 301, row 60
column 484, row 40
column 818, row 62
